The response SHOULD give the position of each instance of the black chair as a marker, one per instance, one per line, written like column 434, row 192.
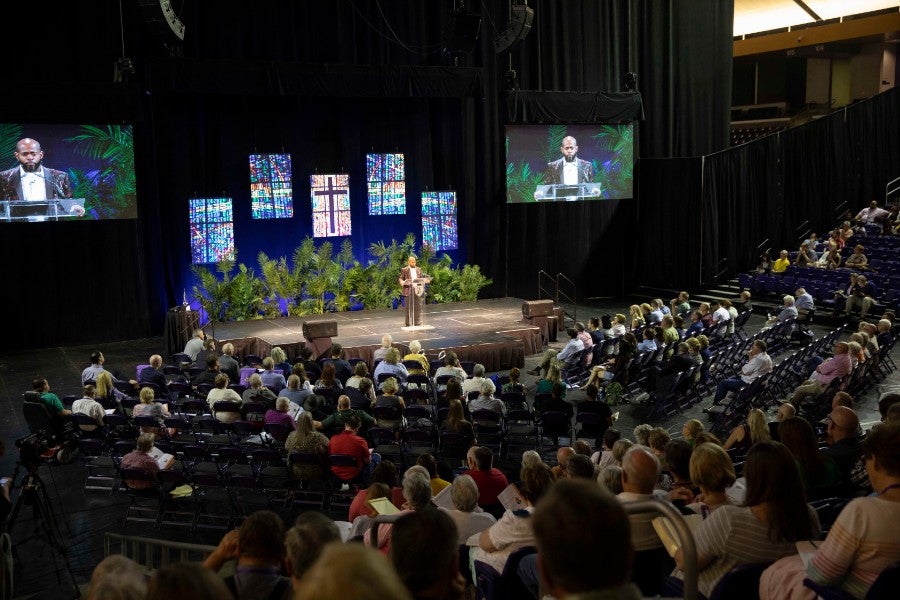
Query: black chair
column 491, row 586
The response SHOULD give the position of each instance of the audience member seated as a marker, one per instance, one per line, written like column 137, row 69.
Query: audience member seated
column 858, row 259
column 417, row 493
column 195, row 344
column 545, row 384
column 640, row 472
column 817, row 474
column 755, row 429
column 106, row 393
column 185, row 580
column 712, row 472
column 863, row 540
column 270, row 378
column 567, row 558
column 328, row 380
column 90, row 374
column 759, row 364
column 466, row 514
column 451, row 367
column 153, row 374
column 490, row 481
column 306, row 439
column 209, row 351
column 294, row 391
column 430, row 464
column 588, row 342
column 648, row 343
column 346, row 571
column 615, row 366
column 806, row 256
column 279, row 415
column 148, row 407
column 456, row 422
column 228, row 364
column 788, row 311
column 595, row 331
column 781, row 263
column 118, row 577
column 474, row 384
column 836, row 366
column 565, row 357
column 385, row 473
column 221, row 392
column 392, row 366
column 604, row 456
column 90, row 407
column 884, row 337
column 334, row 422
column 487, row 401
column 209, row 375
column 785, row 412
column 661, row 379
column 304, row 542
column 774, row 517
column 258, row 547
column 342, row 368
column 257, row 392
column 561, row 470
column 390, row 399
column 678, row 460
column 610, row 479
column 690, row 430
column 425, row 554
column 681, row 305
column 349, row 443
column 415, row 353
column 50, row 400
column 580, row 467
column 513, row 385
column 555, row 403
column 843, row 448
column 386, row 344
column 140, row 458
column 513, row 530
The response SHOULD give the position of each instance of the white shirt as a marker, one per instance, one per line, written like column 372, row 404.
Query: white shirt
column 570, row 173
column 33, row 184
column 721, row 314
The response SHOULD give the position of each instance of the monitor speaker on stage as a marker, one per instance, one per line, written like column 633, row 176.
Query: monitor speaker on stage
column 319, row 329
column 537, row 308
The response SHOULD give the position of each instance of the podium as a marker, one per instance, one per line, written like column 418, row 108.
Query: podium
column 417, row 302
column 555, row 192
column 54, row 209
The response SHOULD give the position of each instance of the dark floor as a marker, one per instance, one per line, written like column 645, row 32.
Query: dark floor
column 85, row 517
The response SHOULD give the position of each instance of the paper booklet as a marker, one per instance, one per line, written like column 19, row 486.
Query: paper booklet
column 443, row 500
column 807, row 550
column 161, row 458
column 511, row 498
column 383, row 506
column 668, row 534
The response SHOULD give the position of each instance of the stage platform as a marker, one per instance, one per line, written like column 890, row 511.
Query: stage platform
column 490, row 332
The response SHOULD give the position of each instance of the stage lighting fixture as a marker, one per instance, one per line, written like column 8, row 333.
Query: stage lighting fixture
column 516, row 30
column 631, row 81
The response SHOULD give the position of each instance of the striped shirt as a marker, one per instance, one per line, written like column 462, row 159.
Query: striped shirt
column 861, row 544
column 733, row 536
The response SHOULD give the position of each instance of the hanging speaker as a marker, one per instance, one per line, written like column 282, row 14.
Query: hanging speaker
column 518, row 27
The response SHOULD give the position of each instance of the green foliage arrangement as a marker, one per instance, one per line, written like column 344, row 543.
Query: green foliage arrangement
column 110, row 190
column 316, row 281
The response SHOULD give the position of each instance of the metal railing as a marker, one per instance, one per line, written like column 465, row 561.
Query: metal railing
column 891, row 188
column 549, row 286
column 564, row 297
column 153, row 553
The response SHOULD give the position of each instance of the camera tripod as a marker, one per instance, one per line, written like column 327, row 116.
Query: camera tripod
column 46, row 528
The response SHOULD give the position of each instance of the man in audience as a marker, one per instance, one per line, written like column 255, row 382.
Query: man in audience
column 670, row 334
column 228, row 364
column 89, row 375
column 342, row 369
column 153, row 374
column 781, row 263
column 474, row 384
column 349, row 443
column 681, row 305
column 555, row 403
column 640, row 471
column 720, row 314
column 50, row 400
column 785, row 412
column 563, row 455
column 567, row 558
column 271, row 378
column 339, row 418
column 386, row 343
column 437, row 484
column 209, row 375
column 209, row 349
column 565, row 357
column 195, row 344
column 258, row 547
column 293, row 392
column 279, row 415
column 580, row 467
column 90, row 407
column 595, row 331
column 118, row 577
column 884, row 336
column 843, row 448
column 862, row 294
column 140, row 458
column 804, row 302
column 490, row 481
column 788, row 311
column 871, row 214
column 303, row 543
column 425, row 554
column 858, row 259
column 759, row 364
column 487, row 401
column 836, row 366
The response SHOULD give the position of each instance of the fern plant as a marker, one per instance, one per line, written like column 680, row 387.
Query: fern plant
column 10, row 134
column 110, row 189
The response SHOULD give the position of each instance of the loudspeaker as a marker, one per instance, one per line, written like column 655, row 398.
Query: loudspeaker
column 537, row 308
column 319, row 329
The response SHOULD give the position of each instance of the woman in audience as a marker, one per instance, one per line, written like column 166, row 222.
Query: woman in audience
column 800, row 439
column 705, row 314
column 832, row 259
column 678, row 460
column 306, row 439
column 604, row 455
column 513, row 530
column 300, row 371
column 862, row 542
column 281, row 361
column 610, row 477
column 149, row 408
column 417, row 496
column 642, row 433
column 360, row 371
column 222, row 393
column 857, row 355
column 694, row 352
column 618, row 451
column 185, row 580
column 636, row 316
column 392, row 366
column 453, row 391
column 530, row 458
column 766, row 527
column 545, row 384
column 690, row 430
column 706, row 437
column 754, row 430
column 618, row 328
column 451, row 367
column 346, row 571
column 386, row 474
column 390, row 399
column 365, row 513
column 712, row 471
column 616, row 365
column 105, row 392
column 415, row 353
column 328, row 379
column 467, row 515
column 513, row 385
column 256, row 391
column 457, row 423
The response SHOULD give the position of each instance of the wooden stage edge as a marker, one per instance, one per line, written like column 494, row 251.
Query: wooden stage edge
column 491, row 332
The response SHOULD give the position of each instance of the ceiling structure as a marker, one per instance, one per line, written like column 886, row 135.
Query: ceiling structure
column 754, row 16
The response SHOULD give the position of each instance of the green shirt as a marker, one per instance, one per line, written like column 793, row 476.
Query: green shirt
column 52, row 402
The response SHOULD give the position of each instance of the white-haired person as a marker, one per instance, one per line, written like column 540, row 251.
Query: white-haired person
column 415, row 353
column 466, row 513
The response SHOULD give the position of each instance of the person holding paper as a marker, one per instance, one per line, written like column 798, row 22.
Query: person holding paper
column 141, row 458
column 32, row 181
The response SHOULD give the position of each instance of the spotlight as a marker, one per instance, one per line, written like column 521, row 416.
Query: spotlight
column 512, row 80
column 631, row 81
column 123, row 70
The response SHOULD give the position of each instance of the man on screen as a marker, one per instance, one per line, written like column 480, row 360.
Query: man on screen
column 414, row 302
column 31, row 181
column 569, row 170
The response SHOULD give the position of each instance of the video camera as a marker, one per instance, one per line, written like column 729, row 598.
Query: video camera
column 32, row 447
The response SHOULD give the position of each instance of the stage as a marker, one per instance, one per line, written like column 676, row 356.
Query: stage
column 490, row 332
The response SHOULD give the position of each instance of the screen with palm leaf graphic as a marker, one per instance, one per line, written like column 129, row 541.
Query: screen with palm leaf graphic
column 93, row 165
column 549, row 163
